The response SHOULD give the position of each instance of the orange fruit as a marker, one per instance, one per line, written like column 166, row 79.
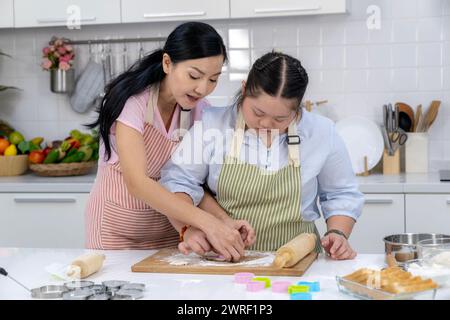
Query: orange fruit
column 3, row 145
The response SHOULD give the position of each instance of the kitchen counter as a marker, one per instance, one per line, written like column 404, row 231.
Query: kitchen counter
column 375, row 183
column 28, row 266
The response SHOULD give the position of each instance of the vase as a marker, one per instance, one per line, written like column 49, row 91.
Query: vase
column 62, row 81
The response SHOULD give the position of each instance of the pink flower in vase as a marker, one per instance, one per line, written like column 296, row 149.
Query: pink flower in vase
column 63, row 65
column 66, row 58
column 46, row 50
column 61, row 50
column 46, row 64
column 52, row 48
column 69, row 48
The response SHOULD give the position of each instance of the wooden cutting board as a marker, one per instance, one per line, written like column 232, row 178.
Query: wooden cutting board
column 158, row 263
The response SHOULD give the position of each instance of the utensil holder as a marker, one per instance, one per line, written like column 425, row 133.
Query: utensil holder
column 62, row 81
column 416, row 152
column 391, row 164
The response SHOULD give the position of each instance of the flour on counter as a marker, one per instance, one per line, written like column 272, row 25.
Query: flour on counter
column 252, row 258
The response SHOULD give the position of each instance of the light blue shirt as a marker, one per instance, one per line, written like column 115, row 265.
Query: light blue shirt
column 326, row 170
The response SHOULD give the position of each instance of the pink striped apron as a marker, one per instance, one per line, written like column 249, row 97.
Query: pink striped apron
column 117, row 220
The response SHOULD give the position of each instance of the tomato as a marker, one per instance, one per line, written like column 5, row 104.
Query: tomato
column 36, row 156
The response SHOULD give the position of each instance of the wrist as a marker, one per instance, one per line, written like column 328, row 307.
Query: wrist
column 336, row 231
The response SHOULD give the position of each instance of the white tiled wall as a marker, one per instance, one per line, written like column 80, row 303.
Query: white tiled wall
column 354, row 68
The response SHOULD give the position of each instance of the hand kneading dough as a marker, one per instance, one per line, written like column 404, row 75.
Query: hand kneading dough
column 295, row 250
column 86, row 265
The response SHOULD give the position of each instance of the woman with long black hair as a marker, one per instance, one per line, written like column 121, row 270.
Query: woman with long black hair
column 141, row 118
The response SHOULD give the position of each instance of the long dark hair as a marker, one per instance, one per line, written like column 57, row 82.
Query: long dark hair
column 276, row 74
column 191, row 40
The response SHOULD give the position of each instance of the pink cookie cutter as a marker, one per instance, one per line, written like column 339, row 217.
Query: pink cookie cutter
column 254, row 286
column 243, row 277
column 280, row 286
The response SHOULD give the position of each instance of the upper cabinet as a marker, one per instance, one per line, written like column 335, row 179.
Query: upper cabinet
column 169, row 10
column 272, row 8
column 7, row 14
column 44, row 13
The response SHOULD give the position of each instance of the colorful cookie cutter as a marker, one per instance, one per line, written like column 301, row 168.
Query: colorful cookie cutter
column 313, row 286
column 280, row 286
column 254, row 286
column 297, row 289
column 243, row 277
column 265, row 280
column 301, row 296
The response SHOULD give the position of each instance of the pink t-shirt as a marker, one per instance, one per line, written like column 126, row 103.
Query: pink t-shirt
column 133, row 115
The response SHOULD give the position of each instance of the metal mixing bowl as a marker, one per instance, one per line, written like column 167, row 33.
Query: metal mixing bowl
column 403, row 247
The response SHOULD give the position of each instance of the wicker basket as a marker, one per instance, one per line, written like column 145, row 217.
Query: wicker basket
column 13, row 165
column 63, row 169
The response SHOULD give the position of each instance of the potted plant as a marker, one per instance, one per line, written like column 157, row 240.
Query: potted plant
column 58, row 58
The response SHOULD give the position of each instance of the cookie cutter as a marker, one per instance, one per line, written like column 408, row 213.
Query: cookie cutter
column 243, row 277
column 265, row 280
column 133, row 286
column 112, row 286
column 49, row 292
column 100, row 296
column 134, row 294
column 280, row 286
column 254, row 286
column 313, row 286
column 78, row 294
column 298, row 289
column 79, row 284
column 301, row 296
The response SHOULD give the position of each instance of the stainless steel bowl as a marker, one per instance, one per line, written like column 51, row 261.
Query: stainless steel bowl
column 403, row 247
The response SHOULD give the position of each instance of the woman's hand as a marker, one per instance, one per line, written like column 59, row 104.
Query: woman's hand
column 338, row 247
column 246, row 231
column 194, row 240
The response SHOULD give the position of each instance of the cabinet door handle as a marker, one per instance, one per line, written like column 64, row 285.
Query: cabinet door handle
column 276, row 10
column 56, row 20
column 174, row 14
column 378, row 201
column 45, row 200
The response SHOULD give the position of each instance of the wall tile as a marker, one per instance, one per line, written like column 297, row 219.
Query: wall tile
column 379, row 56
column 333, row 57
column 404, row 55
column 430, row 79
column 356, row 57
column 404, row 30
column 429, row 55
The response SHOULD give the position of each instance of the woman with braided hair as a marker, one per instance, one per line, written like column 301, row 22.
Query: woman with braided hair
column 271, row 162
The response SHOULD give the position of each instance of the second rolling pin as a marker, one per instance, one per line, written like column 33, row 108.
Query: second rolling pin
column 295, row 250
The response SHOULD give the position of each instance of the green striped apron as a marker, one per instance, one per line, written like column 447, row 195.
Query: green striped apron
column 269, row 200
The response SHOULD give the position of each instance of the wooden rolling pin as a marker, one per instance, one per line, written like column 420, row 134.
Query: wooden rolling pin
column 295, row 250
column 85, row 265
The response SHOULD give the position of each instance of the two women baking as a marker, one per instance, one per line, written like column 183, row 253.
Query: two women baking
column 245, row 176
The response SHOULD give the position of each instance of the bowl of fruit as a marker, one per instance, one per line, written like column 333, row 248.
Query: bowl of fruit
column 13, row 161
column 76, row 155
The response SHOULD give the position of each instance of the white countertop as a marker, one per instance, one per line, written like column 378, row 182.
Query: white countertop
column 375, row 183
column 28, row 266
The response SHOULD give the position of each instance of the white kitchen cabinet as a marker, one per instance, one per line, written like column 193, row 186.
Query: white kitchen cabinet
column 44, row 13
column 273, row 8
column 7, row 13
column 42, row 220
column 428, row 213
column 151, row 10
column 382, row 215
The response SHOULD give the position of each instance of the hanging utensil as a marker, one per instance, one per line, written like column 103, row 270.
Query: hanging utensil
column 5, row 273
column 124, row 58
column 141, row 51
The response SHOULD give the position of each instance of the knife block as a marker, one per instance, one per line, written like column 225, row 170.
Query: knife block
column 391, row 164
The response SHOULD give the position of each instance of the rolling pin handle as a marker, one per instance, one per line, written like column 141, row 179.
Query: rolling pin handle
column 281, row 259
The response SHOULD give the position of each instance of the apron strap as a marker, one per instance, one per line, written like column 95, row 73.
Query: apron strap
column 293, row 140
column 185, row 114
column 152, row 102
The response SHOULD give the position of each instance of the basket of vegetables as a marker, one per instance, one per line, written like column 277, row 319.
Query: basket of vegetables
column 76, row 155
